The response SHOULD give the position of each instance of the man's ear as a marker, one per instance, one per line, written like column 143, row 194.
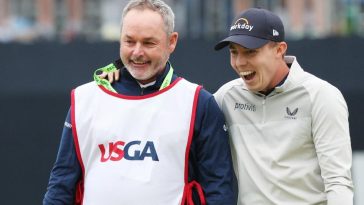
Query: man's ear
column 282, row 48
column 173, row 37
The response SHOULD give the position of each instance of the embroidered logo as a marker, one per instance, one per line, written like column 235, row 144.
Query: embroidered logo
column 275, row 32
column 291, row 114
column 67, row 124
column 245, row 106
column 225, row 128
column 242, row 23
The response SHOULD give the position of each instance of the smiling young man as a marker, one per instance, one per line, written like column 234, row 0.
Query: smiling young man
column 150, row 138
column 289, row 130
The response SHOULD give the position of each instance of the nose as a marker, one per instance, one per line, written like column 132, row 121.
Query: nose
column 138, row 50
column 241, row 60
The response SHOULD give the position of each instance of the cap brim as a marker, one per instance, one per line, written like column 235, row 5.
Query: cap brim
column 243, row 40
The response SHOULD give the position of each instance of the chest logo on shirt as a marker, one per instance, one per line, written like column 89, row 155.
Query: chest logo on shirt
column 245, row 106
column 291, row 114
column 130, row 151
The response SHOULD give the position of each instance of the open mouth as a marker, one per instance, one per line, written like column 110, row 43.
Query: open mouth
column 139, row 63
column 247, row 75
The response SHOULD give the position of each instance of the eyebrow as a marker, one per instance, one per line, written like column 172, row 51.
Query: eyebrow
column 146, row 39
column 150, row 39
column 231, row 46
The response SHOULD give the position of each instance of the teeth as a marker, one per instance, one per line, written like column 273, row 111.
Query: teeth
column 244, row 73
column 139, row 62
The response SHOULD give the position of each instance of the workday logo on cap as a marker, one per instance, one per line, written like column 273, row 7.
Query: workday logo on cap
column 241, row 23
column 253, row 28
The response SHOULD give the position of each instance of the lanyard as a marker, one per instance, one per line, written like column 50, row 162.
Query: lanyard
column 111, row 68
column 107, row 69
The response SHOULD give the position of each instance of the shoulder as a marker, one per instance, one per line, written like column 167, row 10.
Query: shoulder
column 316, row 87
column 319, row 88
column 205, row 99
column 86, row 87
column 326, row 99
column 203, row 93
column 207, row 105
column 226, row 88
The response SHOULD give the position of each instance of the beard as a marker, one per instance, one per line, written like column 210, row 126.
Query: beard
column 144, row 70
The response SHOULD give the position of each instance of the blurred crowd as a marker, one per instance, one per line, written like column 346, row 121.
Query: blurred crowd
column 98, row 20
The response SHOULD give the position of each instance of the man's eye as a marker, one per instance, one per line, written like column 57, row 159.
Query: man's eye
column 149, row 43
column 233, row 52
column 251, row 51
column 129, row 42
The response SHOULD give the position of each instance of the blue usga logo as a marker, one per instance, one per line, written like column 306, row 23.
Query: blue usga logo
column 119, row 150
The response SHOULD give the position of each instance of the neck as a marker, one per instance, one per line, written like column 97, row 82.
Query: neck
column 281, row 76
column 281, row 73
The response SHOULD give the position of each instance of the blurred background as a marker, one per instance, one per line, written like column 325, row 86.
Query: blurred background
column 30, row 21
column 48, row 47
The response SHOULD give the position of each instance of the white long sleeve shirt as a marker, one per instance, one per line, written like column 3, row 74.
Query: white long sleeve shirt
column 292, row 146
